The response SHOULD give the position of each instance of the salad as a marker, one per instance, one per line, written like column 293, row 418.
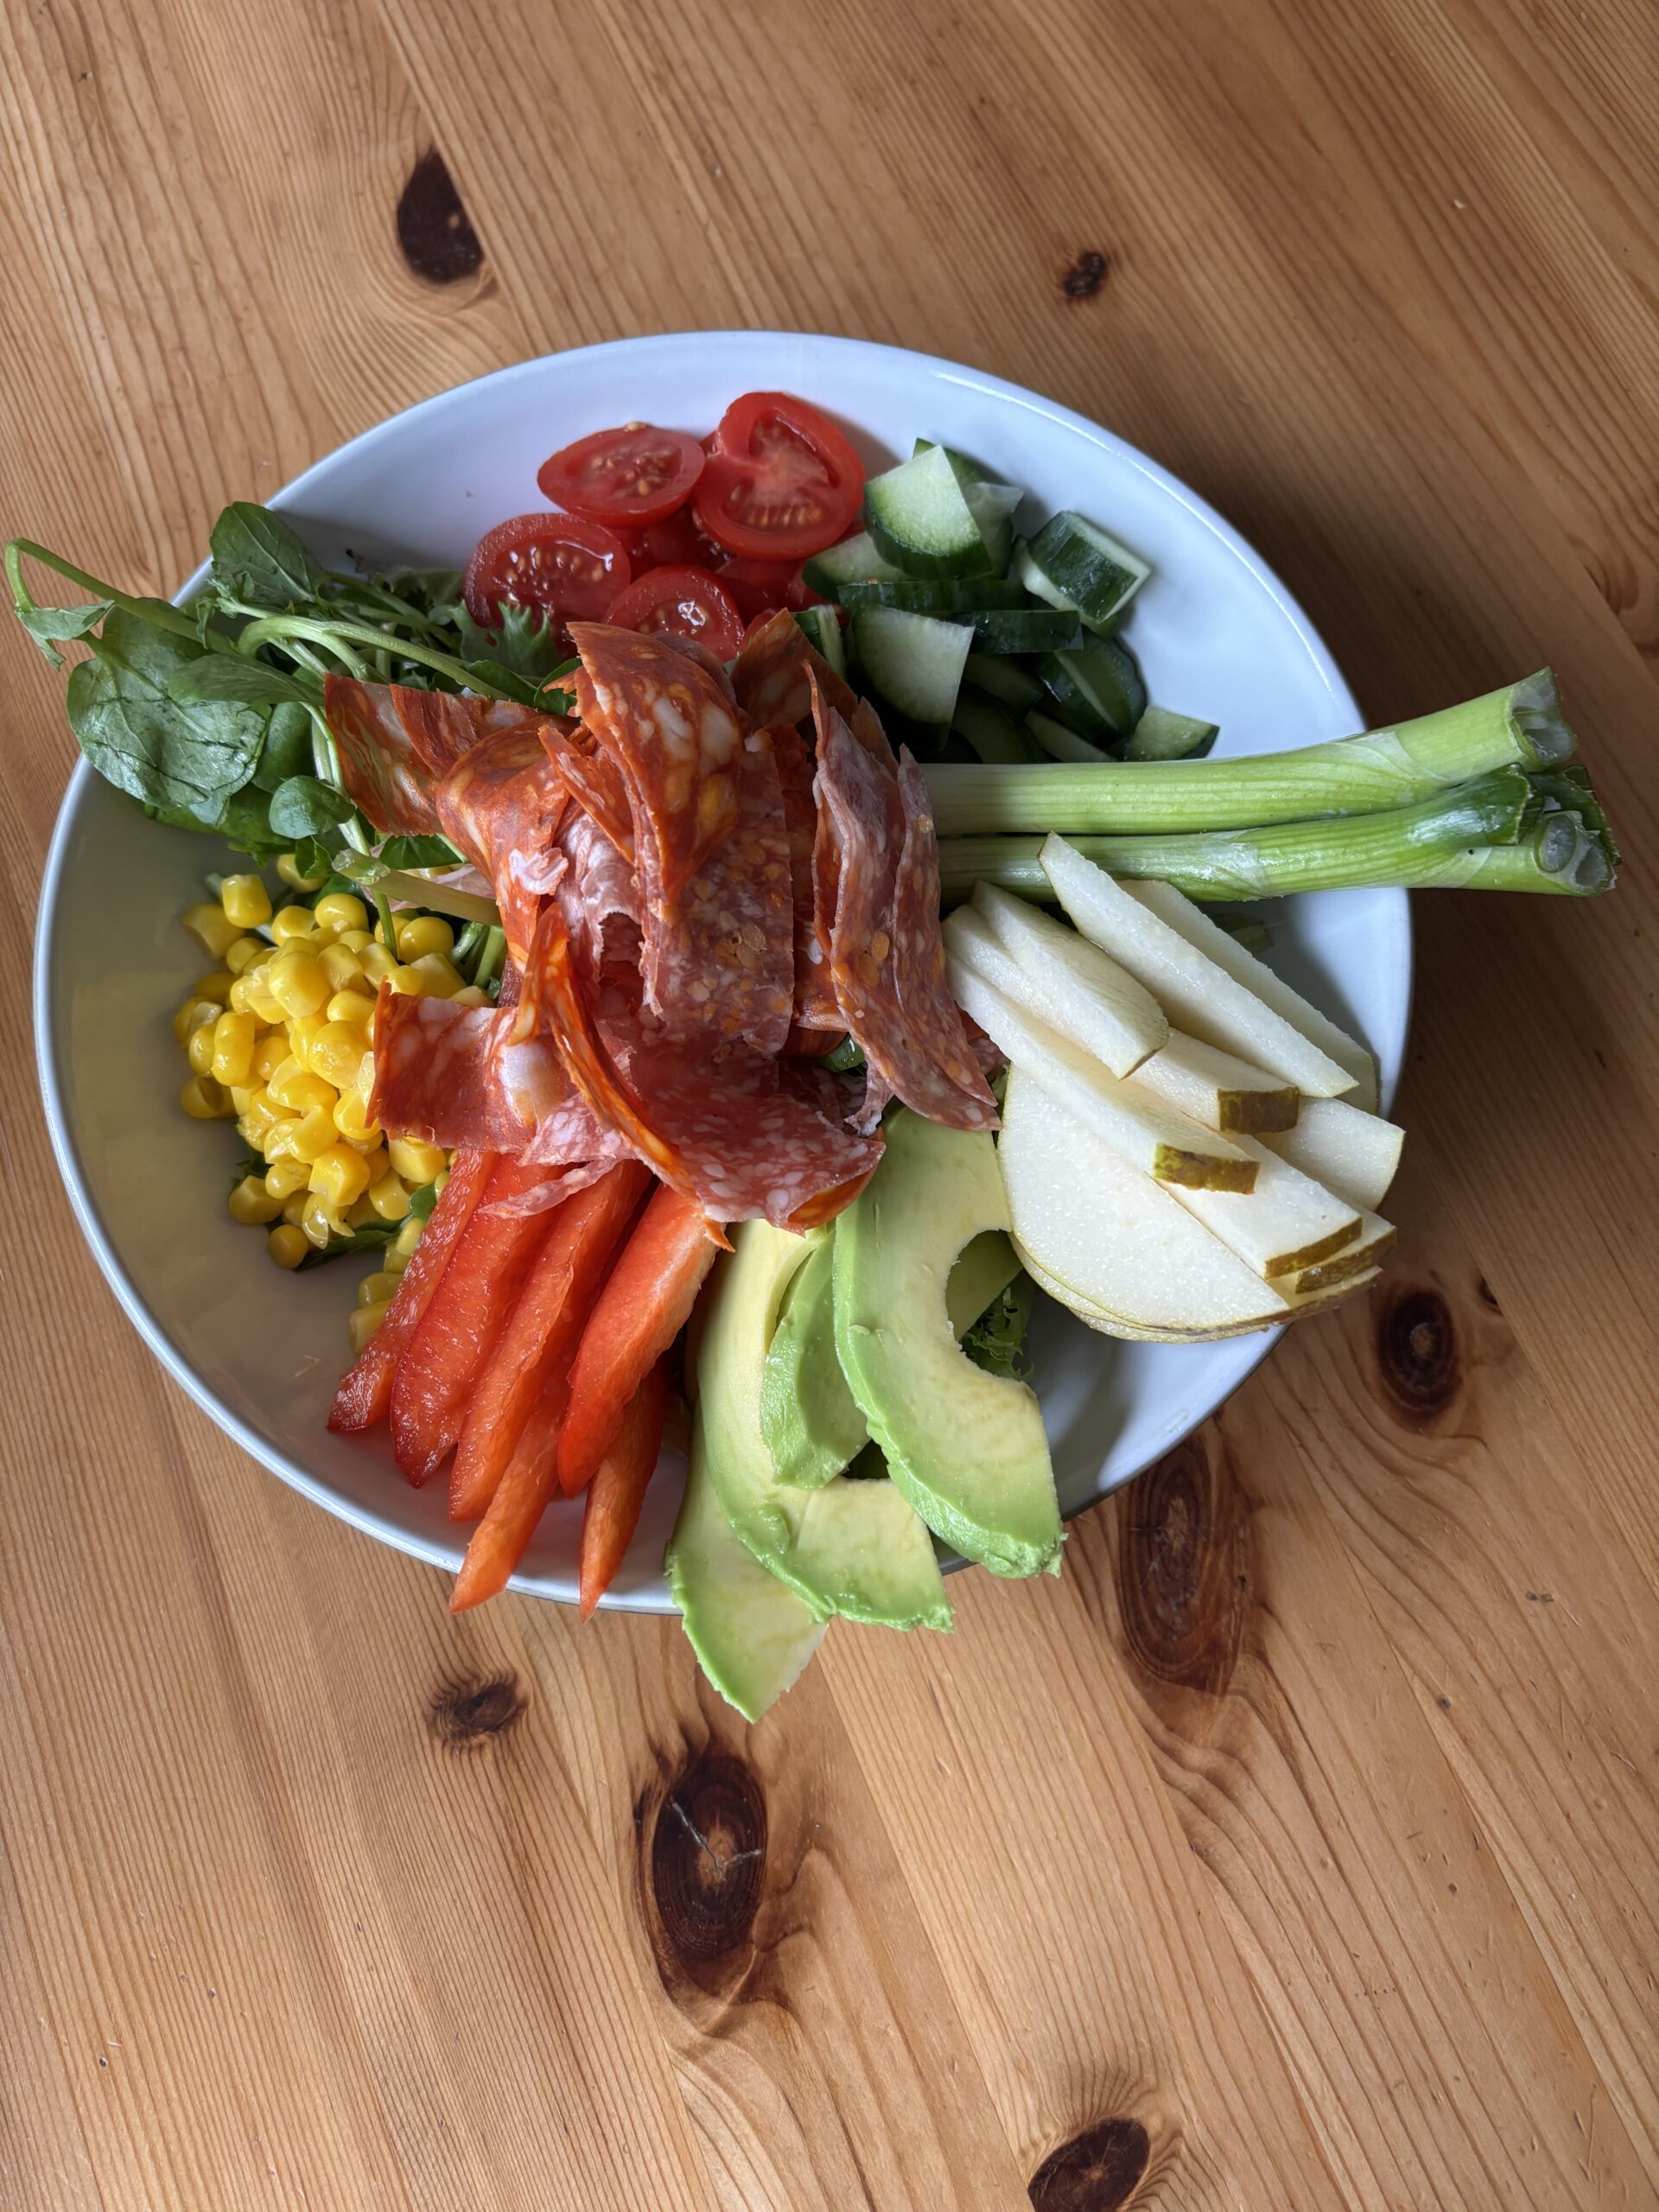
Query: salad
column 719, row 957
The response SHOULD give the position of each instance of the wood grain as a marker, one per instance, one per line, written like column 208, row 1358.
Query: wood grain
column 1296, row 1848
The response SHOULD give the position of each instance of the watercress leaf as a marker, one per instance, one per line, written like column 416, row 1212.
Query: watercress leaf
column 373, row 1236
column 997, row 1340
column 51, row 626
column 418, row 852
column 243, row 820
column 314, row 859
column 491, row 676
column 230, row 676
column 288, row 749
column 421, row 1201
column 304, row 806
column 259, row 560
column 528, row 645
column 165, row 752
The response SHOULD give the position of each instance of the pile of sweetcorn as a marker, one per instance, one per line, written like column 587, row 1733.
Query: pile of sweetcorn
column 279, row 1036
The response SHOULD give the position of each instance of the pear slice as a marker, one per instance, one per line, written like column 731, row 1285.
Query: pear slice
column 1237, row 960
column 1374, row 1238
column 1288, row 1223
column 1107, row 1241
column 1200, row 993
column 1351, row 1152
column 1218, row 1088
column 1314, row 1302
column 1051, row 971
column 1144, row 1132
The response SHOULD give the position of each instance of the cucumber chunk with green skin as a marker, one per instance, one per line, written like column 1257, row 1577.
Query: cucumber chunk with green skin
column 823, row 628
column 1071, row 562
column 993, row 730
column 855, row 560
column 966, row 1448
column 1025, row 630
column 992, row 506
column 913, row 661
column 1097, row 691
column 919, row 517
column 1006, row 679
column 935, row 594
column 1062, row 744
column 1162, row 734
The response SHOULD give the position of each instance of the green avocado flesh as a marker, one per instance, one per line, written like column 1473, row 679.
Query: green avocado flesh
column 813, row 1424
column 967, row 1448
column 751, row 1633
column 852, row 1548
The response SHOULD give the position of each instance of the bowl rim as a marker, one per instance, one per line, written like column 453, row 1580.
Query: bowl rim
column 47, row 1043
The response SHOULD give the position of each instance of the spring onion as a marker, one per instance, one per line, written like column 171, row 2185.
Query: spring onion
column 383, row 882
column 1405, row 845
column 1520, row 726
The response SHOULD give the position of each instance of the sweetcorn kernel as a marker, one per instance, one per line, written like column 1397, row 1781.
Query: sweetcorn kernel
column 342, row 964
column 376, row 1289
column 363, row 1323
column 321, row 1221
column 408, row 981
column 244, row 952
column 284, row 1177
column 198, row 1049
column 204, row 1100
column 355, row 1006
column 215, row 985
column 191, row 1016
column 440, row 978
column 269, row 1054
column 300, row 1090
column 299, row 982
column 360, row 1213
column 246, row 901
column 252, row 1202
column 421, row 933
column 290, row 922
column 377, row 962
column 316, row 1135
column 242, row 1098
column 340, row 910
column 287, row 1246
column 470, row 995
column 288, row 868
column 279, row 1137
column 340, row 1175
column 353, row 1120
column 395, row 1262
column 389, row 1198
column 254, row 984
column 232, row 1059
column 408, row 1237
column 210, row 927
column 439, row 1182
column 335, row 1053
column 357, row 940
column 415, row 1161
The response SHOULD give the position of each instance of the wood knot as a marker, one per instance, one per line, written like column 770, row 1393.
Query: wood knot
column 1085, row 277
column 1184, row 1568
column 473, row 1710
column 706, row 1866
column 1417, row 1350
column 1095, row 2171
column 434, row 235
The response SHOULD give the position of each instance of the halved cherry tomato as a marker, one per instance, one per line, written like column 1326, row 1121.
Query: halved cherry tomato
column 569, row 568
column 780, row 482
column 684, row 603
column 630, row 476
column 675, row 542
column 762, row 587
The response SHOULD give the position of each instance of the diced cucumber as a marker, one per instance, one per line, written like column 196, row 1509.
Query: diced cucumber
column 992, row 729
column 1060, row 743
column 1162, row 734
column 1097, row 691
column 853, row 561
column 823, row 627
column 1072, row 563
column 935, row 595
column 1005, row 679
column 920, row 517
column 913, row 661
column 1024, row 630
column 992, row 506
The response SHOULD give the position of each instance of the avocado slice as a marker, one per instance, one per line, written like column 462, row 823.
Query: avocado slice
column 814, row 1427
column 809, row 1419
column 967, row 1448
column 852, row 1548
column 751, row 1634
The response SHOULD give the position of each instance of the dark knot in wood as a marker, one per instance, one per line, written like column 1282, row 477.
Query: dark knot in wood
column 1085, row 277
column 1417, row 1350
column 434, row 233
column 1095, row 2171
column 472, row 1710
column 1183, row 1568
column 707, row 1860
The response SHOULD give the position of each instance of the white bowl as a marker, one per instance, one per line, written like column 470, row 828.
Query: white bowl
column 260, row 1351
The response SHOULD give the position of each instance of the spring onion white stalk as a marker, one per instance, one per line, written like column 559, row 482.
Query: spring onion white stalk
column 383, row 882
column 1405, row 845
column 1520, row 726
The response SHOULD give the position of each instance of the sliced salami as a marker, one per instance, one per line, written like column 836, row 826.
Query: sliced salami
column 593, row 780
column 815, row 999
column 383, row 773
column 502, row 804
column 882, row 935
column 771, row 673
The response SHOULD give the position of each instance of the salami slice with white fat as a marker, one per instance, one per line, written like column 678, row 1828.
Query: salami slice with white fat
column 772, row 671
column 384, row 776
column 503, row 804
column 815, row 1006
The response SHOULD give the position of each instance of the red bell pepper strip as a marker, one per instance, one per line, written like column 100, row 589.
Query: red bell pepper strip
column 618, row 1490
column 531, row 1478
column 641, row 1311
column 365, row 1396
column 544, row 1326
column 458, row 1330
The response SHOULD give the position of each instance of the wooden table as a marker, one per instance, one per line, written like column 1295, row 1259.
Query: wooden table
column 1296, row 1849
